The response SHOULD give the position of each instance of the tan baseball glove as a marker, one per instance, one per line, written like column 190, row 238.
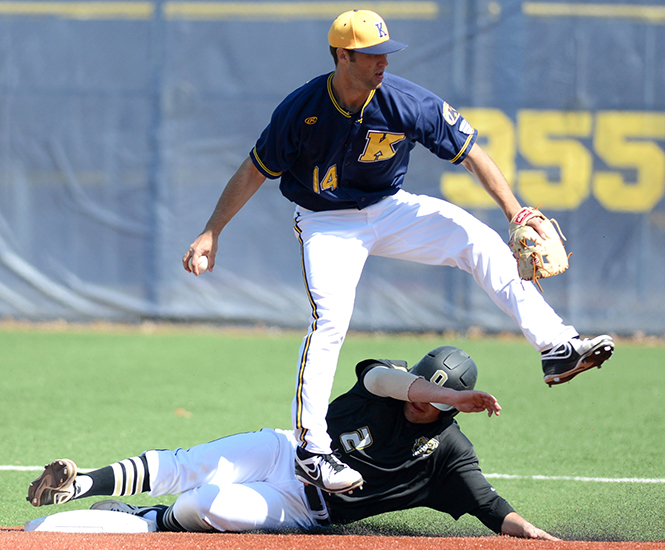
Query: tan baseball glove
column 536, row 257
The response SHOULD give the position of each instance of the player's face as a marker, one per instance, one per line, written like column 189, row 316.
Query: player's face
column 420, row 413
column 366, row 71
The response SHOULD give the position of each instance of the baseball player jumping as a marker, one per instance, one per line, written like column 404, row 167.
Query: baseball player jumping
column 395, row 425
column 341, row 146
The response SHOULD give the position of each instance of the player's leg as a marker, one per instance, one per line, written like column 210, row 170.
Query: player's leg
column 334, row 254
column 253, row 486
column 433, row 231
column 241, row 507
column 237, row 458
column 233, row 507
column 161, row 514
column 61, row 481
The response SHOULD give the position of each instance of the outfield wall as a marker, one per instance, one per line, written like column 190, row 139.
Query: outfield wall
column 120, row 123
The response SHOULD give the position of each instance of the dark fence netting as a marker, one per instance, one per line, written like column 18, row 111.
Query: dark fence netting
column 121, row 122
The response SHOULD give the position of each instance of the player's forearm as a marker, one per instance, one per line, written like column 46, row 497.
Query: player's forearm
column 422, row 391
column 240, row 188
column 405, row 386
column 488, row 174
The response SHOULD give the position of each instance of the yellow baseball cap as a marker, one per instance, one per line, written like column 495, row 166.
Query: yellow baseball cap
column 362, row 31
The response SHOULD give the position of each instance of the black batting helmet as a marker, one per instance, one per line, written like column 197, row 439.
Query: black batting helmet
column 450, row 367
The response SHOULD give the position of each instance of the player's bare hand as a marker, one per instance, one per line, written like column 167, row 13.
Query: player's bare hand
column 477, row 401
column 515, row 525
column 539, row 534
column 535, row 223
column 204, row 245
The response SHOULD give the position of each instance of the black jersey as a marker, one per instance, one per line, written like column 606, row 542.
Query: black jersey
column 405, row 465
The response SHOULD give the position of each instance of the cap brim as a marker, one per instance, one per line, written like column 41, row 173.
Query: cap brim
column 442, row 407
column 389, row 46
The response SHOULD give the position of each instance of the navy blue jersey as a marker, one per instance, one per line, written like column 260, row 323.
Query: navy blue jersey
column 405, row 465
column 330, row 159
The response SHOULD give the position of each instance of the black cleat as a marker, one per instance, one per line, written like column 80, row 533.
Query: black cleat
column 55, row 485
column 569, row 359
column 117, row 506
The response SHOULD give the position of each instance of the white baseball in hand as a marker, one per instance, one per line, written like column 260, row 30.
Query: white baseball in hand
column 203, row 264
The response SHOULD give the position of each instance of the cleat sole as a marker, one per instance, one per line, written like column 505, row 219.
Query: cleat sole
column 594, row 358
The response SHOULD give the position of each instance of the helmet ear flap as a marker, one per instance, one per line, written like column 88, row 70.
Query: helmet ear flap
column 450, row 367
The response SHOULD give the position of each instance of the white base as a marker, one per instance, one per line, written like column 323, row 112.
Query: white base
column 92, row 521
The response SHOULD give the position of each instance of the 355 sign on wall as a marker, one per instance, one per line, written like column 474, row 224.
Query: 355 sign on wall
column 559, row 147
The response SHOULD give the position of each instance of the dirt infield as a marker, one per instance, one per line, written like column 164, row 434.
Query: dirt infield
column 14, row 538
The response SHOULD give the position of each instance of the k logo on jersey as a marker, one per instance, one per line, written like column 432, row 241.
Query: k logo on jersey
column 380, row 146
column 424, row 446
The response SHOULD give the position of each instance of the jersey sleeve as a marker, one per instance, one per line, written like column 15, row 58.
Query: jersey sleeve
column 277, row 147
column 444, row 131
column 460, row 487
column 365, row 366
column 493, row 512
column 477, row 497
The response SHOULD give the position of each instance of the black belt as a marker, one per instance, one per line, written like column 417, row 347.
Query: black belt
column 317, row 505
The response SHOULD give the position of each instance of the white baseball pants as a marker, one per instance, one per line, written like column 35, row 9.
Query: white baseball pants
column 237, row 483
column 335, row 246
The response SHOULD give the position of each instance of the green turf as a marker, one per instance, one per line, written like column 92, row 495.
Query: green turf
column 100, row 396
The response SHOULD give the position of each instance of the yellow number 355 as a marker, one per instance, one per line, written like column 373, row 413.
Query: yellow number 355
column 626, row 174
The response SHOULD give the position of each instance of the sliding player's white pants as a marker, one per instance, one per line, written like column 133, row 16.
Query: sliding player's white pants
column 237, row 483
